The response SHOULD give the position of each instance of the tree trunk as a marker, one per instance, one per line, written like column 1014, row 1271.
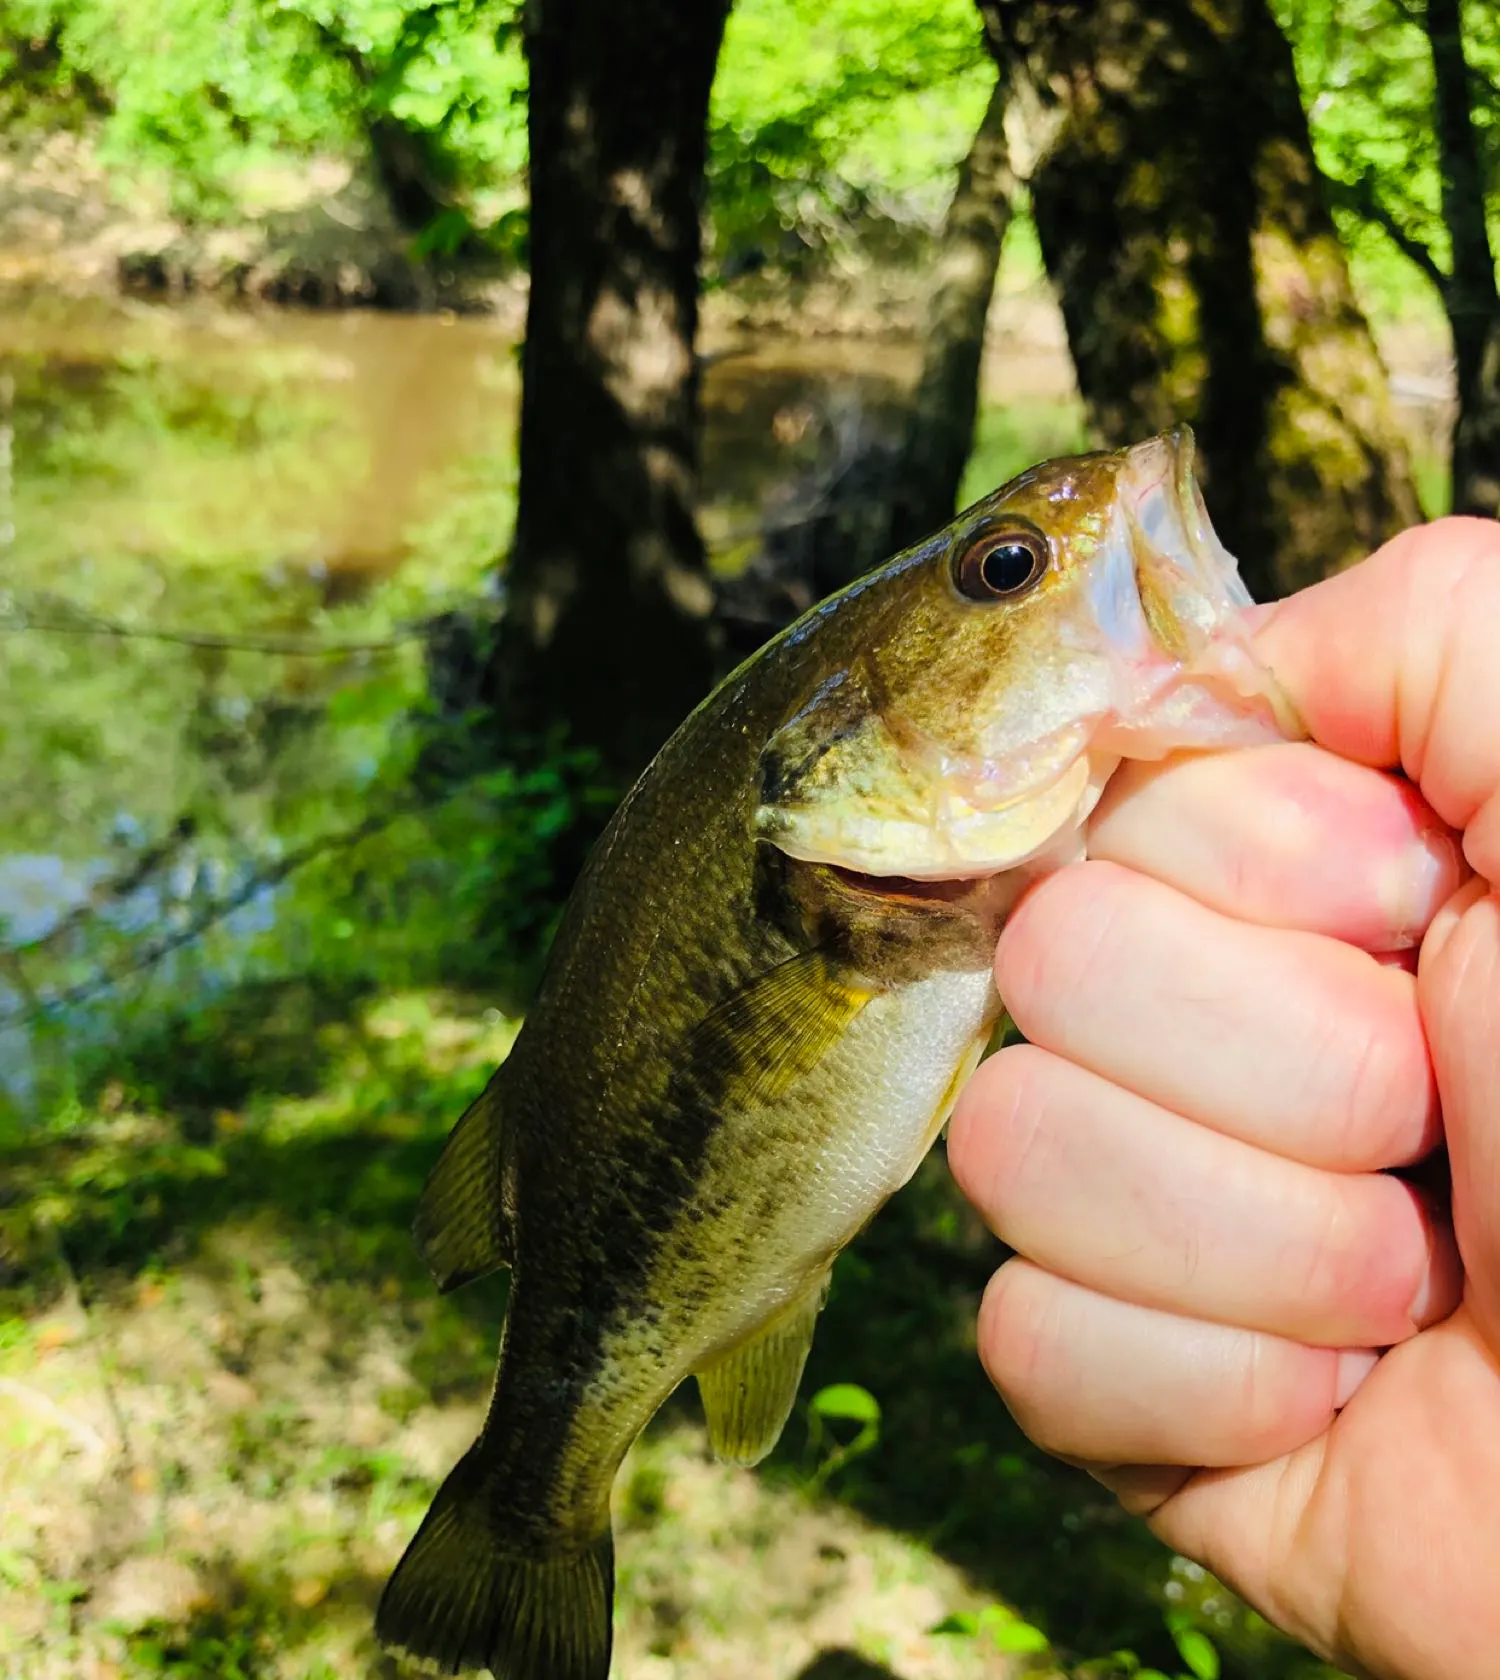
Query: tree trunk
column 1183, row 221
column 940, row 429
column 606, row 641
column 1470, row 294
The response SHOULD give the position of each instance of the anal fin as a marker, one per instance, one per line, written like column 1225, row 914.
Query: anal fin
column 749, row 1393
column 463, row 1223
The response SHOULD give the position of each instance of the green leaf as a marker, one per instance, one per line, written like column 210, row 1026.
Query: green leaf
column 1017, row 1637
column 846, row 1401
column 963, row 1622
column 1197, row 1652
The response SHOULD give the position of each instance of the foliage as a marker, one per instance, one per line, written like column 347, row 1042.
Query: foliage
column 828, row 121
column 827, row 124
column 1366, row 73
column 213, row 101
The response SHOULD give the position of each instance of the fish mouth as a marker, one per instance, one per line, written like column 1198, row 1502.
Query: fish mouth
column 946, row 889
column 1187, row 580
column 1197, row 671
column 1155, row 657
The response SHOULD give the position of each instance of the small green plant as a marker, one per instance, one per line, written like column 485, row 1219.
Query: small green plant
column 196, row 1657
column 999, row 1626
column 840, row 1403
column 1194, row 1645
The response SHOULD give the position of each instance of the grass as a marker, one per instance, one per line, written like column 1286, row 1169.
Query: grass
column 227, row 1392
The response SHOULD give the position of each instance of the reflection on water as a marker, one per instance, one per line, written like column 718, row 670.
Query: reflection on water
column 266, row 474
column 193, row 433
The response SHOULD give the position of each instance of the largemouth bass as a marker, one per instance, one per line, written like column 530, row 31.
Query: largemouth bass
column 771, row 981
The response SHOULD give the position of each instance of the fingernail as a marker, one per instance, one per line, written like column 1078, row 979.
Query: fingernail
column 1441, row 1285
column 1355, row 1364
column 1420, row 1310
column 1448, row 918
column 1418, row 883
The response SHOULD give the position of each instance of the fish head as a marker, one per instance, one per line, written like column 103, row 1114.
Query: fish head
column 987, row 682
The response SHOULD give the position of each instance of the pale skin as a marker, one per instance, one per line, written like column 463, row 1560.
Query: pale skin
column 1278, row 975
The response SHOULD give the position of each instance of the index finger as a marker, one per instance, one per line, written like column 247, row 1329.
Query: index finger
column 1396, row 663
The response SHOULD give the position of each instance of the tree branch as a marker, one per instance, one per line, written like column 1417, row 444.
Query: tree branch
column 112, row 891
column 1361, row 197
column 60, row 617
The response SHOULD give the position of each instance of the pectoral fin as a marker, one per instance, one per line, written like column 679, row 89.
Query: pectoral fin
column 748, row 1394
column 463, row 1224
column 764, row 1037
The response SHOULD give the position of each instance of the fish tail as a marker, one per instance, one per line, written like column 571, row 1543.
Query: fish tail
column 459, row 1599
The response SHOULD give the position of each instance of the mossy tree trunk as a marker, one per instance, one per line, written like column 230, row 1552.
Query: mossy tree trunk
column 1183, row 221
column 1469, row 291
column 945, row 405
column 606, row 641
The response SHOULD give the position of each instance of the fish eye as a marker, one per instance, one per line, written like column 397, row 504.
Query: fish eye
column 998, row 565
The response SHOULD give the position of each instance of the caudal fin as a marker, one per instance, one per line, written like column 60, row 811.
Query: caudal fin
column 461, row 1601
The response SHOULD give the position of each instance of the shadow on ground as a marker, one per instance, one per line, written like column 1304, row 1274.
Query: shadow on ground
column 844, row 1665
column 334, row 1167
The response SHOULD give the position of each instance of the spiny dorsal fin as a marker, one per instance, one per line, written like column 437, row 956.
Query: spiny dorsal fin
column 748, row 1395
column 463, row 1224
column 459, row 1601
column 765, row 1036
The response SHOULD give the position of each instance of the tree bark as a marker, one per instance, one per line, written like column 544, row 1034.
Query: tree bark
column 1183, row 221
column 606, row 641
column 940, row 430
column 1470, row 294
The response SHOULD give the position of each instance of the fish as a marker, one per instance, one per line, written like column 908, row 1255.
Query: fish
column 768, row 987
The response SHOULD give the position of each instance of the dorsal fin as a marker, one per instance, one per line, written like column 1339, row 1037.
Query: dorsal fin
column 464, row 1225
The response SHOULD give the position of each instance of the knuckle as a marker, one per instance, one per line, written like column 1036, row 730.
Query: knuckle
column 1383, row 1086
column 1356, row 1270
column 1328, row 1267
column 1265, row 1398
column 1286, row 1397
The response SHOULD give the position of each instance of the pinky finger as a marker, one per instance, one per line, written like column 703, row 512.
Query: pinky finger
column 1095, row 1379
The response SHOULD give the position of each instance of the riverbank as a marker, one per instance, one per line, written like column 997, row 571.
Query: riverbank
column 320, row 234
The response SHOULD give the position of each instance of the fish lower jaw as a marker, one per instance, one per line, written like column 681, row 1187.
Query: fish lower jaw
column 960, row 843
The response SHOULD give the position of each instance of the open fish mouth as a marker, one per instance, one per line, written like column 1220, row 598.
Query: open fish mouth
column 938, row 889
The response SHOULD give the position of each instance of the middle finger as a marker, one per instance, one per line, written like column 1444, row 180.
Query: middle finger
column 1292, row 1041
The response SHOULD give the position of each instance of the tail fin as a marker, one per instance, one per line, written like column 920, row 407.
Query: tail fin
column 459, row 1600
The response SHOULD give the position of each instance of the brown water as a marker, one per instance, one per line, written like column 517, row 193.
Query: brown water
column 197, row 433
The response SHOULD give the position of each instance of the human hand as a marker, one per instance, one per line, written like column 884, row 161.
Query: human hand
column 1187, row 1154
